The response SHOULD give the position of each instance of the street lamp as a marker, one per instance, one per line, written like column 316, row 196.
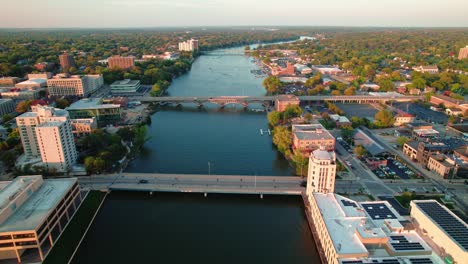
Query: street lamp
column 209, row 168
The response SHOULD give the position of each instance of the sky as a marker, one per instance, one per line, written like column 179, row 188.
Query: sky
column 168, row 13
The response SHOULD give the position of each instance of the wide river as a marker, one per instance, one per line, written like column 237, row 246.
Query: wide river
column 188, row 228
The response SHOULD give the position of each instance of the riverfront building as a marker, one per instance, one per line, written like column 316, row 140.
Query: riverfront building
column 65, row 85
column 33, row 214
column 105, row 114
column 121, row 62
column 367, row 232
column 66, row 61
column 7, row 106
column 125, row 87
column 322, row 172
column 189, row 45
column 308, row 138
column 443, row 227
column 47, row 133
column 285, row 100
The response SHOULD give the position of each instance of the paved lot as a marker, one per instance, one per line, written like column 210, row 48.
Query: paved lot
column 422, row 113
column 359, row 110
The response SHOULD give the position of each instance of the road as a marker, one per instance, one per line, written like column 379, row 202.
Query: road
column 194, row 183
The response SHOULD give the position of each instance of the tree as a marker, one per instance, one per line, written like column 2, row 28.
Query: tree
column 386, row 85
column 347, row 133
column 360, row 151
column 384, row 118
column 155, row 90
column 7, row 117
column 350, row 91
column 308, row 117
column 23, row 106
column 292, row 111
column 274, row 117
column 282, row 138
column 419, row 83
column 272, row 84
column 401, row 141
column 336, row 92
column 301, row 163
column 62, row 103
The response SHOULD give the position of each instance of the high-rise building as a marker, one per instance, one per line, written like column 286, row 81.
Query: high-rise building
column 65, row 85
column 463, row 53
column 121, row 62
column 46, row 132
column 322, row 172
column 189, row 45
column 66, row 61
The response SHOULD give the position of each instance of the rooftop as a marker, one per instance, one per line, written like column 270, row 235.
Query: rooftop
column 126, row 82
column 287, row 97
column 311, row 132
column 321, row 154
column 90, row 103
column 4, row 100
column 39, row 204
column 33, row 81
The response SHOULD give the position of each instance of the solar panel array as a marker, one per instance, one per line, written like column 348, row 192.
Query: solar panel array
column 421, row 261
column 349, row 203
column 402, row 244
column 376, row 261
column 451, row 225
column 378, row 211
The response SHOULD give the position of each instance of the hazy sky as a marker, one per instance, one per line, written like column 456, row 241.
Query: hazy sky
column 162, row 13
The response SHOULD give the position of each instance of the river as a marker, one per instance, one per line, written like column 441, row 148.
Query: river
column 181, row 228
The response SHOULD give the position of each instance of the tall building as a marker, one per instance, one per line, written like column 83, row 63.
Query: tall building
column 463, row 53
column 47, row 133
column 121, row 62
column 34, row 213
column 189, row 45
column 66, row 61
column 65, row 85
column 322, row 172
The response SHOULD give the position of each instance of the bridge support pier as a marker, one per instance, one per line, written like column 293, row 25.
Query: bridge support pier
column 151, row 193
column 261, row 196
column 205, row 194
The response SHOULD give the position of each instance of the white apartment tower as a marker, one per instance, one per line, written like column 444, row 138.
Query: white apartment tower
column 322, row 172
column 189, row 45
column 47, row 133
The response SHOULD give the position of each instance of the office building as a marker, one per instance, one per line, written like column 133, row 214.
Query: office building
column 32, row 84
column 125, row 87
column 443, row 227
column 105, row 114
column 463, row 53
column 7, row 106
column 307, row 138
column 351, row 232
column 34, row 213
column 65, row 85
column 189, row 45
column 66, row 61
column 46, row 133
column 285, row 100
column 322, row 172
column 121, row 62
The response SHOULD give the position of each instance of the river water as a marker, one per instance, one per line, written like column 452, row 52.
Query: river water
column 188, row 228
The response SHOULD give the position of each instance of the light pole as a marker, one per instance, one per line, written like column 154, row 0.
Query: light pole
column 209, row 168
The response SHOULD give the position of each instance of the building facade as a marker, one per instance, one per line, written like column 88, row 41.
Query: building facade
column 66, row 61
column 14, row 94
column 283, row 101
column 432, row 69
column 403, row 118
column 463, row 54
column 75, row 85
column 441, row 164
column 105, row 114
column 33, row 218
column 121, row 62
column 83, row 126
column 322, row 172
column 125, row 87
column 189, row 45
column 307, row 138
column 7, row 106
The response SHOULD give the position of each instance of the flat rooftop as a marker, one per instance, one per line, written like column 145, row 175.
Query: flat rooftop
column 311, row 132
column 91, row 103
column 32, row 213
column 4, row 100
column 126, row 82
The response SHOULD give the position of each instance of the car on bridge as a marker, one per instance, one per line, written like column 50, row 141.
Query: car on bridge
column 143, row 181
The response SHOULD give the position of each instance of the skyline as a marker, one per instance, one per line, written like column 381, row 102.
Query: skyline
column 190, row 13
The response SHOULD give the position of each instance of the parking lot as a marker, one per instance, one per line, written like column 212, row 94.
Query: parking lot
column 359, row 110
column 422, row 113
column 394, row 169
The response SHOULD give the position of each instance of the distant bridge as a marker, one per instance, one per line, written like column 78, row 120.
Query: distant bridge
column 268, row 100
column 229, row 184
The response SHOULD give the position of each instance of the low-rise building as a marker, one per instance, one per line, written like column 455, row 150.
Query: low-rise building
column 105, row 114
column 340, row 121
column 32, row 84
column 282, row 69
column 125, row 87
column 302, row 69
column 84, row 126
column 410, row 149
column 403, row 118
column 9, row 81
column 45, row 75
column 441, row 164
column 307, row 138
column 449, row 102
column 432, row 69
column 453, row 111
column 283, row 101
column 327, row 69
column 443, row 227
column 7, row 106
column 370, row 86
column 19, row 95
column 34, row 214
column 361, row 138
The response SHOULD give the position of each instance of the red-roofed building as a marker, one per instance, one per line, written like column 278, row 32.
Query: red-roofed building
column 403, row 118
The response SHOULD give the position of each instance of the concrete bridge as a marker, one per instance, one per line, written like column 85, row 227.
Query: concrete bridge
column 269, row 100
column 205, row 184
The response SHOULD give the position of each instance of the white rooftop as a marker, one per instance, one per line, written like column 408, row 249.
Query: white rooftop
column 90, row 103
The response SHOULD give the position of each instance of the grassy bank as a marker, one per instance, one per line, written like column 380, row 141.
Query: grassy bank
column 68, row 241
